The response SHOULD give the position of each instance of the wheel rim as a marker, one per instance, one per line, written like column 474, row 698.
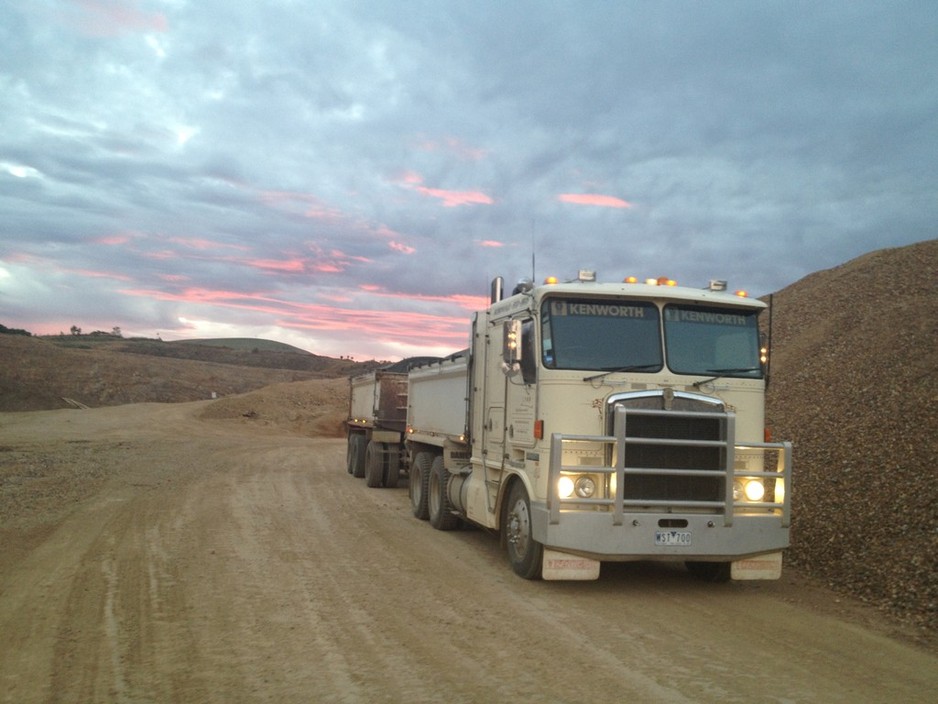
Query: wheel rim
column 519, row 528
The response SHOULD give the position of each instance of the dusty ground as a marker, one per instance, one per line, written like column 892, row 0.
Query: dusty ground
column 215, row 552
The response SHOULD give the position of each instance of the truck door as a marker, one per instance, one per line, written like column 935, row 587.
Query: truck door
column 493, row 411
column 508, row 401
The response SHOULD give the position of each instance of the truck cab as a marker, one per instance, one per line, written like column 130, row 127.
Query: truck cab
column 615, row 422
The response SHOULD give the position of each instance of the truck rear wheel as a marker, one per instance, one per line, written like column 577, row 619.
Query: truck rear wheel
column 439, row 508
column 356, row 454
column 419, row 481
column 374, row 464
column 392, row 467
column 524, row 553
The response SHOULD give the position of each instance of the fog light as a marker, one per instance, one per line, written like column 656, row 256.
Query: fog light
column 565, row 487
column 755, row 490
column 585, row 487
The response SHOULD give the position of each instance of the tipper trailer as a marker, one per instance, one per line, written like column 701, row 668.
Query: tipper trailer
column 594, row 422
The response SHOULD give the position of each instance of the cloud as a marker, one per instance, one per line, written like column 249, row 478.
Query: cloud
column 593, row 199
column 110, row 18
column 264, row 166
column 451, row 199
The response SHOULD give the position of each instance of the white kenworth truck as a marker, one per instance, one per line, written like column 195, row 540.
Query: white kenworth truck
column 593, row 422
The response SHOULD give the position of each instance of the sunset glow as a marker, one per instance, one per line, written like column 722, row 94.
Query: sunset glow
column 593, row 199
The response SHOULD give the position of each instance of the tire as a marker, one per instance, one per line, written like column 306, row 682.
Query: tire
column 357, row 444
column 392, row 467
column 715, row 572
column 350, row 455
column 439, row 509
column 419, row 482
column 374, row 464
column 525, row 554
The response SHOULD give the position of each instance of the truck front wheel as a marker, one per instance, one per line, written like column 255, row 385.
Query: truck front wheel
column 524, row 553
column 439, row 508
column 419, row 484
column 716, row 572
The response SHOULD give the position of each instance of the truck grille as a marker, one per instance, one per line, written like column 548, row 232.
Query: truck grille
column 662, row 456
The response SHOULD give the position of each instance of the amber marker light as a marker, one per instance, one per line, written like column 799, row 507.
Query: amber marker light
column 630, row 280
column 742, row 294
column 550, row 280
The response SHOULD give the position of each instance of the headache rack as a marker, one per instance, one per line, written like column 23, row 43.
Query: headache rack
column 665, row 461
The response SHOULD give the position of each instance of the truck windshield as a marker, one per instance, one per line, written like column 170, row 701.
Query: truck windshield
column 712, row 341
column 600, row 334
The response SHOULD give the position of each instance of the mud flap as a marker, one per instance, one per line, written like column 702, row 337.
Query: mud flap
column 564, row 566
column 761, row 567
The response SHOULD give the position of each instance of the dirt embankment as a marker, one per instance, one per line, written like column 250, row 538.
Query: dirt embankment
column 855, row 387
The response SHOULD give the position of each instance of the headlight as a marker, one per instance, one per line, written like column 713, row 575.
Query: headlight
column 585, row 487
column 565, row 487
column 752, row 490
column 755, row 490
column 581, row 485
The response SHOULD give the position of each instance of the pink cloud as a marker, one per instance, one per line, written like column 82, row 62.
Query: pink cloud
column 454, row 146
column 593, row 199
column 293, row 266
column 309, row 205
column 399, row 247
column 380, row 324
column 202, row 244
column 411, row 178
column 111, row 18
column 491, row 243
column 113, row 240
column 100, row 274
column 451, row 199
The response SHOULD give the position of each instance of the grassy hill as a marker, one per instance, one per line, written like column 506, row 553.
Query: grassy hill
column 44, row 373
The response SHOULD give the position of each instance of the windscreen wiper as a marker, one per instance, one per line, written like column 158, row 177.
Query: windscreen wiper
column 631, row 368
column 723, row 372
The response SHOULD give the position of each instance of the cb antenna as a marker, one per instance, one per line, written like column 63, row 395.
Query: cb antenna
column 533, row 251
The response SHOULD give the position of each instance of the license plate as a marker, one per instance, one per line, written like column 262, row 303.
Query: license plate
column 676, row 538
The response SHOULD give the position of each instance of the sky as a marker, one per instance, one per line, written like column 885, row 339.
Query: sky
column 348, row 176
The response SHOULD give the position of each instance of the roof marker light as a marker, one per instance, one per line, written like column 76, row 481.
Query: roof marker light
column 630, row 280
column 550, row 280
column 742, row 294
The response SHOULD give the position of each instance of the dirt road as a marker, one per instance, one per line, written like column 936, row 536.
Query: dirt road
column 220, row 561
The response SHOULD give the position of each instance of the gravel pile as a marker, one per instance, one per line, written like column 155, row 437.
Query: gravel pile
column 855, row 387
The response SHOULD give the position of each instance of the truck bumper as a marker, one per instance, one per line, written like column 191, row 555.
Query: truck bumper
column 696, row 537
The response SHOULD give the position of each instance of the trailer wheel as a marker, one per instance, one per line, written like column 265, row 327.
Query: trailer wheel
column 524, row 553
column 392, row 468
column 349, row 455
column 374, row 464
column 439, row 508
column 716, row 572
column 419, row 481
column 356, row 454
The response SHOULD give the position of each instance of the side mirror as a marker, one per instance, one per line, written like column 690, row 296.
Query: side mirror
column 764, row 356
column 511, row 347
